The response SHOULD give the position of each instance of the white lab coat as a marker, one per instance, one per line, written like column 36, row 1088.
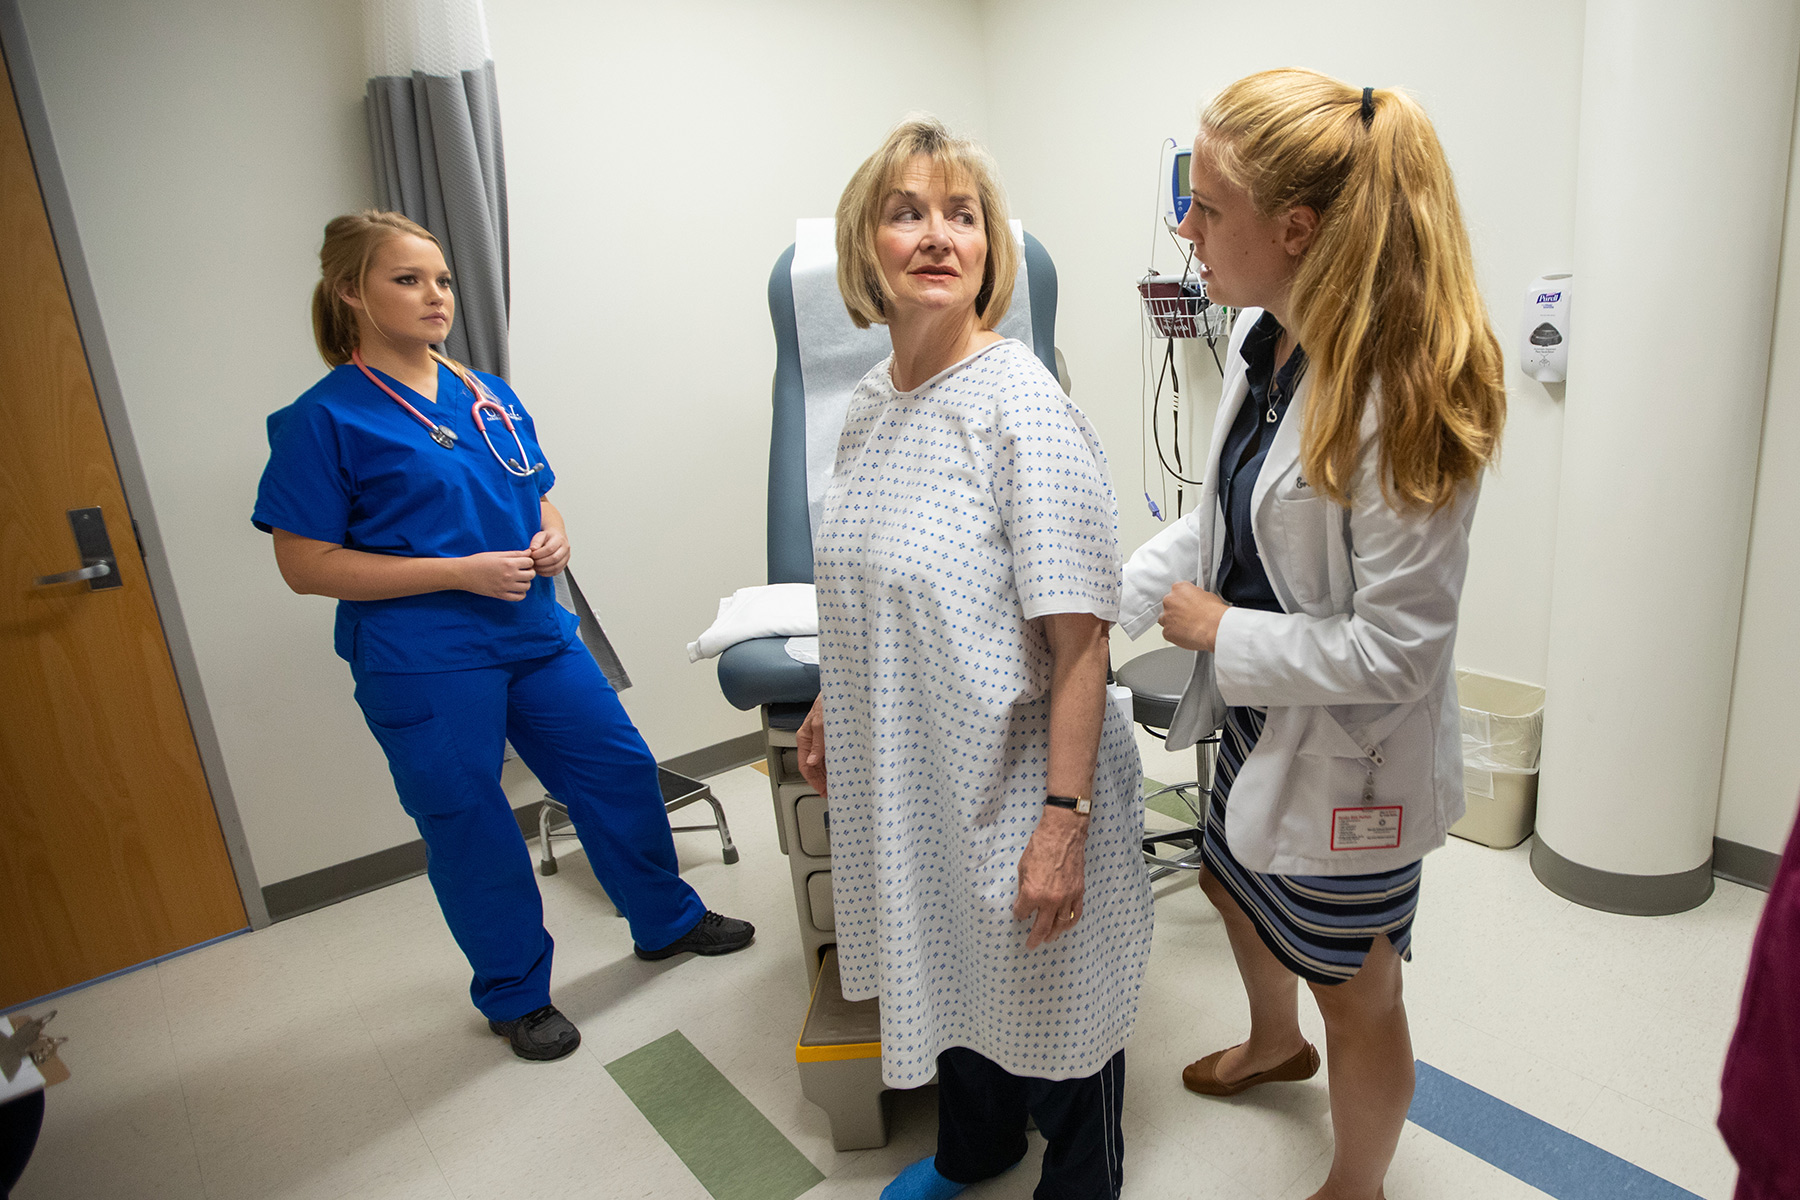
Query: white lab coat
column 1356, row 673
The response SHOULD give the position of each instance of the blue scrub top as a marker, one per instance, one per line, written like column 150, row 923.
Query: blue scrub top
column 349, row 466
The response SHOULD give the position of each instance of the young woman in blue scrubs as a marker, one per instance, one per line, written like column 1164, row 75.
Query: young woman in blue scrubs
column 383, row 493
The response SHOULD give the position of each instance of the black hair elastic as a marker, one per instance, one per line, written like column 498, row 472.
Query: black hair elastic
column 1368, row 107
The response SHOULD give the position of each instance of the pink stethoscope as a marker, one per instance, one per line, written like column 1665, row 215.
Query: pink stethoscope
column 445, row 436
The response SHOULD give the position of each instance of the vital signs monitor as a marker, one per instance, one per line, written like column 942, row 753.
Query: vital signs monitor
column 1180, row 183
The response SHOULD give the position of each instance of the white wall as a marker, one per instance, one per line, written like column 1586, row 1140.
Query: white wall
column 1081, row 95
column 657, row 156
column 1762, row 745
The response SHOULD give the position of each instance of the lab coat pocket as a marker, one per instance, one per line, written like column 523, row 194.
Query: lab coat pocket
column 1317, row 787
column 421, row 756
column 1374, row 784
column 1333, row 764
column 1324, row 737
column 1339, row 571
column 1305, row 523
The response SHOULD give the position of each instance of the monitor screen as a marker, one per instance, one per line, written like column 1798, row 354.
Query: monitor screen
column 1183, row 180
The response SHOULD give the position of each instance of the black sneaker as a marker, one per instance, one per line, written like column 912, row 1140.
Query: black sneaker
column 541, row 1035
column 712, row 934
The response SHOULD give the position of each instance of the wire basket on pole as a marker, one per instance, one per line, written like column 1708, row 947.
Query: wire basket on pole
column 1176, row 305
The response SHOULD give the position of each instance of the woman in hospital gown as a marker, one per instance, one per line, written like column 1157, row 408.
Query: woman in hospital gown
column 968, row 569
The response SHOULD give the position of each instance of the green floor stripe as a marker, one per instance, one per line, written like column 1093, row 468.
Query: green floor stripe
column 728, row 1144
column 1169, row 805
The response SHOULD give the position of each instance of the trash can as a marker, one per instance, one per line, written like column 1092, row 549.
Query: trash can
column 1502, row 732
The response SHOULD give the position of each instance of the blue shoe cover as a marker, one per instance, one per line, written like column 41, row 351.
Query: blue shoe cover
column 921, row 1182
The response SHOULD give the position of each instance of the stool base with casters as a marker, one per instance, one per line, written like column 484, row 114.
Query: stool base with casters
column 1156, row 681
column 1175, row 850
column 678, row 792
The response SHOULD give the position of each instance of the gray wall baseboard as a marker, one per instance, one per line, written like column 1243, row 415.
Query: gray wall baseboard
column 319, row 889
column 316, row 889
column 325, row 887
column 1744, row 864
column 1658, row 895
column 1609, row 891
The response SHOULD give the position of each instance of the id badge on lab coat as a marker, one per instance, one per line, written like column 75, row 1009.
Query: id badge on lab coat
column 1366, row 828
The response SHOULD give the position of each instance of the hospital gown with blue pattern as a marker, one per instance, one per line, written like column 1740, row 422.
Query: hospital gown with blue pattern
column 958, row 513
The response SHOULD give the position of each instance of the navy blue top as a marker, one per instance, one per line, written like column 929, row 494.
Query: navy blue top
column 349, row 466
column 1242, row 579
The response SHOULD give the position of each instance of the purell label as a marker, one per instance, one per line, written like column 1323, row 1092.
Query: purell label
column 1544, row 331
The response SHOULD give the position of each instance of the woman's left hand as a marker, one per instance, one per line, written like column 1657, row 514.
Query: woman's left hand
column 1053, row 875
column 550, row 551
column 1190, row 617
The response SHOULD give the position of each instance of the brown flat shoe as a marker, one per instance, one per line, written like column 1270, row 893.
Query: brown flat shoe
column 1203, row 1076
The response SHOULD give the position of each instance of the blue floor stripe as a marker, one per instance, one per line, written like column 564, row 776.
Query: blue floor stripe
column 1536, row 1152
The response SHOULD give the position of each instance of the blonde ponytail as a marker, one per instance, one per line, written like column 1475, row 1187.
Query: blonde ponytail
column 1386, row 291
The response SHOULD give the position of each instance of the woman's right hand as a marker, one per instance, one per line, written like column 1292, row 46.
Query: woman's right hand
column 502, row 574
column 811, row 743
column 1190, row 617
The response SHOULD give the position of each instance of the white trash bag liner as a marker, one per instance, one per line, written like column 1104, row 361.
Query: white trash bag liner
column 1502, row 728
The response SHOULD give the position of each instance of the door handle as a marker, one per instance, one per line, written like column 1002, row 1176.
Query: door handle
column 75, row 576
column 99, row 567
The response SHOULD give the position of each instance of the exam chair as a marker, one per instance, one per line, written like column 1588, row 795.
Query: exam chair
column 839, row 1048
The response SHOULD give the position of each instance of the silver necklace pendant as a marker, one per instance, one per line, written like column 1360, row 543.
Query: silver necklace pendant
column 444, row 436
column 1270, row 417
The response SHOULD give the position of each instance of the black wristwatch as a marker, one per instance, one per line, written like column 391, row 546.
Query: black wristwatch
column 1080, row 805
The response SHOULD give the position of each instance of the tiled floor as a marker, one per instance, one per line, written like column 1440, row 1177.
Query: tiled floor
column 336, row 1055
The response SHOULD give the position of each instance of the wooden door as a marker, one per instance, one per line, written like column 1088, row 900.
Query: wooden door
column 110, row 851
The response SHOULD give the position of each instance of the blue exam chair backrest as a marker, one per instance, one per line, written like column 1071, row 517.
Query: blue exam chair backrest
column 760, row 672
column 790, row 533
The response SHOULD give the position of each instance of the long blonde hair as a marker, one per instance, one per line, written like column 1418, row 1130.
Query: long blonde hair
column 350, row 245
column 1385, row 292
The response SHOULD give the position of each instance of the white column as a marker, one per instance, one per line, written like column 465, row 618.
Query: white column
column 1687, row 113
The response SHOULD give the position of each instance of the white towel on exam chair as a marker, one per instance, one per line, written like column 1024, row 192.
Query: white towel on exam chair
column 773, row 610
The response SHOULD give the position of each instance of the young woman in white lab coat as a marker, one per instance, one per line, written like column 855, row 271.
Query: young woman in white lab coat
column 1320, row 576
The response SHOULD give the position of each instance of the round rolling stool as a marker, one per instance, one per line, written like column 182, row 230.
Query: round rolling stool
column 1157, row 680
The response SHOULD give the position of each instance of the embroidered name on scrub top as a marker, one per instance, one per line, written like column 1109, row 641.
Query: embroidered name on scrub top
column 350, row 467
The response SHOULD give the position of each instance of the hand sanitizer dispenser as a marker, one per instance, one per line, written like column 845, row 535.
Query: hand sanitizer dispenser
column 1544, row 335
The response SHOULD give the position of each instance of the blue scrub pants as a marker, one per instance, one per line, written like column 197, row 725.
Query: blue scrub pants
column 444, row 736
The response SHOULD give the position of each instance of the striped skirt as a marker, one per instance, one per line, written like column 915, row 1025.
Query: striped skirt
column 1319, row 926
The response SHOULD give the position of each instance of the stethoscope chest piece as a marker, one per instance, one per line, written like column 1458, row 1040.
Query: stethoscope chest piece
column 444, row 436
